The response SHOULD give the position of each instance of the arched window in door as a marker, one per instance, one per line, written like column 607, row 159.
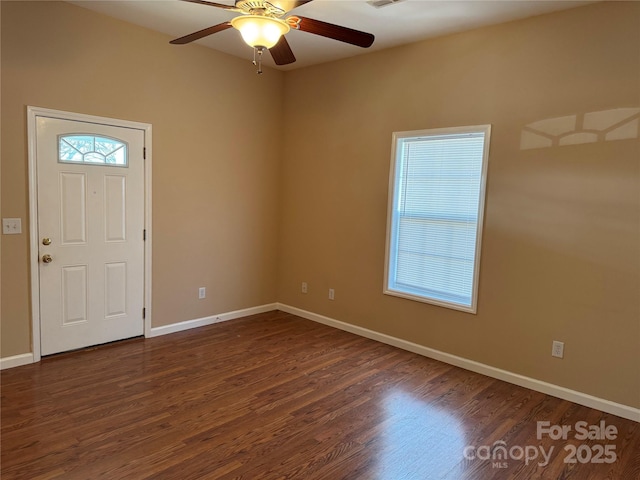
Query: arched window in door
column 82, row 148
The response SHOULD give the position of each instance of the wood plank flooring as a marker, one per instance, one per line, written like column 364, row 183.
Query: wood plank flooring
column 274, row 396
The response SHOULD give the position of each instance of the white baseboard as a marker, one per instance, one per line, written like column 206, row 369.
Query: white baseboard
column 16, row 360
column 210, row 320
column 580, row 398
column 27, row 358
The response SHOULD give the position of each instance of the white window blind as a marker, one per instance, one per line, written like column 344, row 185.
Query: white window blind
column 435, row 215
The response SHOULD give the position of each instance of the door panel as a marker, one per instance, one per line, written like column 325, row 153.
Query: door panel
column 115, row 202
column 74, row 294
column 115, row 292
column 73, row 201
column 91, row 206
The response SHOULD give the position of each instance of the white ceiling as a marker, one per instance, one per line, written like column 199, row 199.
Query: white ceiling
column 404, row 22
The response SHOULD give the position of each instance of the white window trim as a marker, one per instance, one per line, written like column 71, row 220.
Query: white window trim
column 486, row 129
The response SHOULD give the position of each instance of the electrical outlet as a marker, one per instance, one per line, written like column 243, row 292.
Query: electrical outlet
column 304, row 287
column 202, row 292
column 11, row 226
column 557, row 350
column 332, row 294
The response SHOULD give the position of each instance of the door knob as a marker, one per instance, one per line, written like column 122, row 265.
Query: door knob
column 46, row 241
column 47, row 258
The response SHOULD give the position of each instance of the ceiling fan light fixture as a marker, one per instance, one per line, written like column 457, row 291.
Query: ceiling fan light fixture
column 260, row 31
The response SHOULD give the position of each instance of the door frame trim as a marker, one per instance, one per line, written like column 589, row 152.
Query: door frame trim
column 32, row 114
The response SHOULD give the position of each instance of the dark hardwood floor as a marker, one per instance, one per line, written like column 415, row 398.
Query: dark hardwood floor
column 274, row 396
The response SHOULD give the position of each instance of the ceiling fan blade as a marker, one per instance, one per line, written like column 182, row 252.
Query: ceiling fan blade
column 287, row 5
column 282, row 53
column 214, row 4
column 329, row 30
column 201, row 34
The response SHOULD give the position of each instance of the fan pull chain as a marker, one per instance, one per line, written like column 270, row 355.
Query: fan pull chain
column 258, row 63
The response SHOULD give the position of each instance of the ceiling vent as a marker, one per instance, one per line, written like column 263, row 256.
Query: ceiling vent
column 383, row 3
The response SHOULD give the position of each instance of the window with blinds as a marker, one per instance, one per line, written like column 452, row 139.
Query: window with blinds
column 436, row 205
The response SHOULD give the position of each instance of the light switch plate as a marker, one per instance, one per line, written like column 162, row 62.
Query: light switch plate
column 11, row 226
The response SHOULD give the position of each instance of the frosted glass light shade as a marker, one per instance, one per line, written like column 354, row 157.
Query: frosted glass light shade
column 259, row 31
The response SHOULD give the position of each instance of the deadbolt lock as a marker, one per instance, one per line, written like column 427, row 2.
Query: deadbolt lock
column 46, row 241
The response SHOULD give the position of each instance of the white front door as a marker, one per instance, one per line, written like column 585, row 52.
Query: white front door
column 90, row 194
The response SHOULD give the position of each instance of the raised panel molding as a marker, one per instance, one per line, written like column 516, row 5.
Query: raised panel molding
column 115, row 289
column 73, row 217
column 74, row 294
column 115, row 202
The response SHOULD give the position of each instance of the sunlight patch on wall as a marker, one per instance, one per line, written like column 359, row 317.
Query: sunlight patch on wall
column 601, row 126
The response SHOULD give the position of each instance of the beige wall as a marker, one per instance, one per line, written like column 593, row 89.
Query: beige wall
column 214, row 178
column 561, row 243
column 561, row 255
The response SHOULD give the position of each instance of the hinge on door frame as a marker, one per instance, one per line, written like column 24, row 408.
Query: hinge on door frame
column 144, row 313
column 144, row 235
column 144, row 153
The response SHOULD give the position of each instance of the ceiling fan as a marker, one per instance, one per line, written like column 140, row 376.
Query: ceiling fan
column 262, row 28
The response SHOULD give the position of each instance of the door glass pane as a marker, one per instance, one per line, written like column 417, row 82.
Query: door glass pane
column 92, row 149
